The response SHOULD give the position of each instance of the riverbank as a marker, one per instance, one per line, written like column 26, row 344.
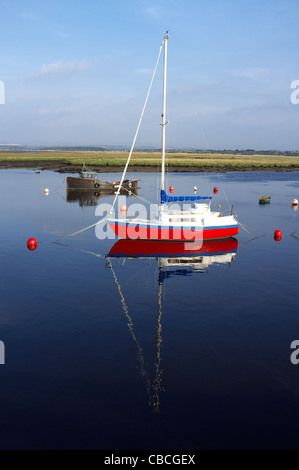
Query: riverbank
column 110, row 161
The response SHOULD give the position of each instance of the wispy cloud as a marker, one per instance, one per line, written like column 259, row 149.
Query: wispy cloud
column 51, row 27
column 153, row 12
column 62, row 68
column 253, row 73
column 61, row 34
column 58, row 110
column 29, row 16
column 144, row 71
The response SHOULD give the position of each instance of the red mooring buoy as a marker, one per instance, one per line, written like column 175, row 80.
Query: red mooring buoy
column 31, row 244
column 215, row 190
column 171, row 189
column 277, row 235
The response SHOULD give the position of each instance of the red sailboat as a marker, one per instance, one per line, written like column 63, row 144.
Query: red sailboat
column 197, row 222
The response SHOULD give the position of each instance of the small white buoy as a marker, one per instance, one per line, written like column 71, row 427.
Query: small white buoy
column 195, row 189
column 295, row 202
column 123, row 209
column 46, row 191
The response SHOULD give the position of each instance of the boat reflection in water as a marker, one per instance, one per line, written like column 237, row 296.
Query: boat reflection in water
column 90, row 198
column 174, row 258
column 195, row 256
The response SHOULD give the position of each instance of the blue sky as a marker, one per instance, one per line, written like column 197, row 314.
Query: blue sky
column 77, row 72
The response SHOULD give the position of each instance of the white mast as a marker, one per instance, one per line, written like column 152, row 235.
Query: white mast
column 164, row 112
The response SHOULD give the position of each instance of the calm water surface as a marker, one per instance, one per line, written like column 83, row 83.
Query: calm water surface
column 148, row 353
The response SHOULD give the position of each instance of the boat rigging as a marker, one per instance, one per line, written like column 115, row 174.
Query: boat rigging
column 197, row 222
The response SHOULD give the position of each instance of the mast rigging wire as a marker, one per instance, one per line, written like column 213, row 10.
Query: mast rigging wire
column 138, row 127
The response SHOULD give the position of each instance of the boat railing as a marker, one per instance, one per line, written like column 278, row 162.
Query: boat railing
column 192, row 212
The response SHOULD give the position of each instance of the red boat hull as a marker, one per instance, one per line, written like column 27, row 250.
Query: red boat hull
column 149, row 248
column 145, row 232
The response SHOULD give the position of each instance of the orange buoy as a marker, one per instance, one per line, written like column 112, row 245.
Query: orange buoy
column 114, row 182
column 215, row 190
column 46, row 191
column 171, row 189
column 123, row 209
column 31, row 244
column 295, row 202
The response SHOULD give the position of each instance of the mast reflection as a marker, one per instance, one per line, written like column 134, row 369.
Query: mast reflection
column 174, row 258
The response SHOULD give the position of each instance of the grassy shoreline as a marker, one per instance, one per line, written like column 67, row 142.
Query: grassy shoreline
column 147, row 161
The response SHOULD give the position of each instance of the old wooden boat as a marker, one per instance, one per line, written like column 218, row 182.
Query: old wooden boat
column 265, row 199
column 89, row 180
